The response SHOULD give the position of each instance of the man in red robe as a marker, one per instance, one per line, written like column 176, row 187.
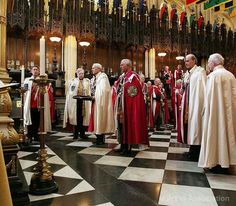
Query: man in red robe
column 130, row 109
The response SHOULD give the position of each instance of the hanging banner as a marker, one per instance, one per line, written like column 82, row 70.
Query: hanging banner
column 213, row 3
column 188, row 2
column 232, row 12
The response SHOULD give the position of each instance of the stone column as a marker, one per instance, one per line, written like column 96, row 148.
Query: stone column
column 3, row 24
column 70, row 59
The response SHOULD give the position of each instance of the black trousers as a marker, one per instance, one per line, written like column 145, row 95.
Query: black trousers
column 79, row 128
column 33, row 129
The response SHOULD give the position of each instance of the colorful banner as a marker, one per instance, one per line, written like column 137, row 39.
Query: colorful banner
column 188, row 2
column 232, row 12
column 213, row 3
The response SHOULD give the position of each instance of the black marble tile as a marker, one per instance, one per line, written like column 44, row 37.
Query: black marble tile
column 125, row 195
column 185, row 178
column 152, row 190
column 116, row 153
column 148, row 163
column 177, row 156
column 114, row 171
column 162, row 133
column 75, row 149
column 159, row 139
column 86, row 198
column 52, row 167
column 91, row 158
column 157, row 149
column 65, row 185
column 33, row 157
column 172, row 144
column 225, row 197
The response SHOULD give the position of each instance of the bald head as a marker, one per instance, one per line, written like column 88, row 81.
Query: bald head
column 190, row 61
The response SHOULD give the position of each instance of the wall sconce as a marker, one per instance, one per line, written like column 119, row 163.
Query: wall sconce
column 84, row 44
column 55, row 39
column 161, row 54
column 179, row 58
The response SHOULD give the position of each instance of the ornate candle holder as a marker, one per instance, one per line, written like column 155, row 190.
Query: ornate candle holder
column 22, row 136
column 42, row 181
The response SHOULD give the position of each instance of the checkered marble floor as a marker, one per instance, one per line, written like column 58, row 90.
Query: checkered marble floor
column 97, row 175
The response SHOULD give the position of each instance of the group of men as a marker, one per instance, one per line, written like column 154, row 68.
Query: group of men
column 205, row 113
column 100, row 114
column 208, row 108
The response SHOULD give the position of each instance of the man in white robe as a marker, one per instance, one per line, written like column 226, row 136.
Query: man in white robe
column 192, row 106
column 102, row 118
column 219, row 131
column 77, row 112
column 31, row 107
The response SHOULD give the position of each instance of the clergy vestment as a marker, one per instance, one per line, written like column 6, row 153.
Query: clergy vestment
column 31, row 109
column 132, row 108
column 102, row 117
column 70, row 111
column 192, row 106
column 219, row 132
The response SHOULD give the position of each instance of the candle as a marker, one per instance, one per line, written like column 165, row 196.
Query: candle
column 62, row 56
column 22, row 75
column 42, row 56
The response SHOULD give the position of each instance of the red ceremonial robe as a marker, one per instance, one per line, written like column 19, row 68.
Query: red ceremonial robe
column 135, row 124
column 150, row 107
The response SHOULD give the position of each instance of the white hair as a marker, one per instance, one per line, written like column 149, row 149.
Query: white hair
column 80, row 70
column 216, row 59
column 97, row 65
column 127, row 62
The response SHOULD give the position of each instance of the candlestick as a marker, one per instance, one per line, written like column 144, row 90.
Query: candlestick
column 42, row 56
column 22, row 75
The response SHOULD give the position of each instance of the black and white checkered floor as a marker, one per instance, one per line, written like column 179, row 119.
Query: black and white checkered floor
column 96, row 175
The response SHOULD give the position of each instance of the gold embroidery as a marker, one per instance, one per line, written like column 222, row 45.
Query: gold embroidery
column 132, row 91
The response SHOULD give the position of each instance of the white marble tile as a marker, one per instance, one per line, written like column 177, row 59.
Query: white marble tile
column 160, row 136
column 27, row 163
column 21, row 154
column 56, row 160
column 62, row 134
column 43, row 197
column 68, row 172
column 95, row 151
column 80, row 144
column 50, row 152
column 174, row 134
column 105, row 204
column 88, row 133
column 28, row 176
column 111, row 141
column 142, row 174
column 173, row 140
column 224, row 182
column 92, row 136
column 114, row 160
column 183, row 166
column 159, row 144
column 152, row 155
column 179, row 195
column 67, row 138
column 81, row 187
column 179, row 150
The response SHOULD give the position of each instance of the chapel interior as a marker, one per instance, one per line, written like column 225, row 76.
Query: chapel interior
column 77, row 33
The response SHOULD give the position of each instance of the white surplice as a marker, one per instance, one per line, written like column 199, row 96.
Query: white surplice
column 70, row 111
column 197, row 83
column 103, row 110
column 27, row 114
column 219, row 131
